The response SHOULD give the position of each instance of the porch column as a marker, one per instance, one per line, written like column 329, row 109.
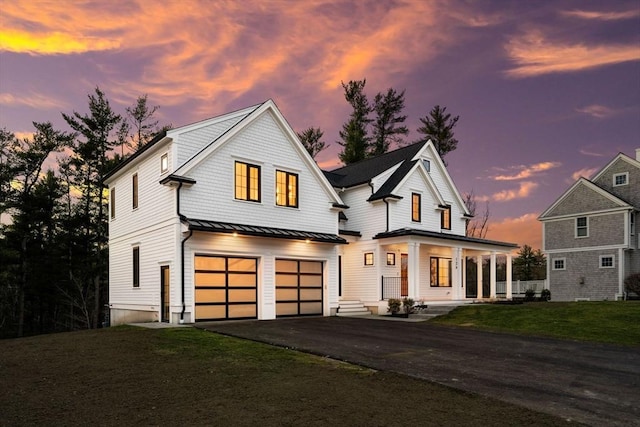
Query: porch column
column 479, row 276
column 413, row 270
column 492, row 279
column 509, row 284
column 457, row 273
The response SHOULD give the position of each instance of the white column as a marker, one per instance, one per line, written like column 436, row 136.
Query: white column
column 492, row 280
column 479, row 276
column 413, row 270
column 457, row 273
column 509, row 284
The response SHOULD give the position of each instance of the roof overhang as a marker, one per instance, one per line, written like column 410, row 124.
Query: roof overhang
column 405, row 232
column 261, row 231
column 177, row 179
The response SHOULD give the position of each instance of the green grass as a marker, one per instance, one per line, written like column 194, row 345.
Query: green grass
column 607, row 322
column 187, row 376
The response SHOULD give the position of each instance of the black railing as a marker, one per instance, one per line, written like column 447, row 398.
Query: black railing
column 394, row 287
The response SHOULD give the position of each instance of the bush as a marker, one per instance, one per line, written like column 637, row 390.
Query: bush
column 632, row 283
column 529, row 294
column 407, row 305
column 545, row 295
column 394, row 305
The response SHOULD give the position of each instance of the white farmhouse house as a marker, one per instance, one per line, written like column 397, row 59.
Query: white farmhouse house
column 230, row 218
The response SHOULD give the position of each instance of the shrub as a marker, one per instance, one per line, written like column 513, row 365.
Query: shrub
column 407, row 305
column 545, row 295
column 529, row 294
column 394, row 305
column 632, row 283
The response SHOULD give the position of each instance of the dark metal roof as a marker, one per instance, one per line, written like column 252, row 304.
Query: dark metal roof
column 350, row 233
column 177, row 178
column 260, row 231
column 436, row 235
column 363, row 171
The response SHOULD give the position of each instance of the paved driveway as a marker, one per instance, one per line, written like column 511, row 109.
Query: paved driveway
column 595, row 384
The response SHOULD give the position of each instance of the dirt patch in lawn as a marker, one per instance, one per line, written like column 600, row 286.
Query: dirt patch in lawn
column 131, row 375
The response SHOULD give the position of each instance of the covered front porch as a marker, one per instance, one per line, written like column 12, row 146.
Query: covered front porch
column 438, row 268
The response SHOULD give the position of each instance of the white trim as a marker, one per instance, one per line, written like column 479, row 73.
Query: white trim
column 602, row 257
column 164, row 170
column 590, row 213
column 585, row 226
column 564, row 264
column 585, row 249
column 620, row 156
column 626, row 179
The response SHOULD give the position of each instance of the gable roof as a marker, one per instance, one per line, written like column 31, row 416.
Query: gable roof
column 589, row 185
column 620, row 156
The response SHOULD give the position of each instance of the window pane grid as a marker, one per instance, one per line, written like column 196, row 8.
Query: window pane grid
column 286, row 189
column 247, row 182
column 415, row 207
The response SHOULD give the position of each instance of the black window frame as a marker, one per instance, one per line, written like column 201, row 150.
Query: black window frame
column 437, row 283
column 445, row 218
column 416, row 198
column 136, row 266
column 288, row 175
column 366, row 255
column 135, row 195
column 249, row 167
column 112, row 204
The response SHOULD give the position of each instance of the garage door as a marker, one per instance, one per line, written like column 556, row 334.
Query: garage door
column 298, row 287
column 226, row 287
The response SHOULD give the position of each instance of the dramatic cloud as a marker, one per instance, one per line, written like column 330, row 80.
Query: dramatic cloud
column 527, row 171
column 523, row 191
column 526, row 230
column 585, row 172
column 597, row 111
column 33, row 100
column 602, row 16
column 534, row 55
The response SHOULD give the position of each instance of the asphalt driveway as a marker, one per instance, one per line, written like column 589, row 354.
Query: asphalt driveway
column 596, row 384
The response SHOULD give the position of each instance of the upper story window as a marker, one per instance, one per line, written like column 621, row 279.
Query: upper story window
column 607, row 261
column 247, row 185
column 112, row 204
column 286, row 189
column 620, row 179
column 136, row 267
column 427, row 164
column 445, row 218
column 164, row 163
column 582, row 226
column 632, row 223
column 134, row 190
column 415, row 207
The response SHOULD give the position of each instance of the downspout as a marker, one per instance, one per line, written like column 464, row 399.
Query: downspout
column 182, row 243
column 387, row 203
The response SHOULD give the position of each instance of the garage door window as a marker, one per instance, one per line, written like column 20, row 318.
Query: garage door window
column 298, row 287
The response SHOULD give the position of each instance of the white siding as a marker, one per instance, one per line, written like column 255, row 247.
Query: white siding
column 264, row 144
column 367, row 218
column 400, row 211
column 426, row 291
column 360, row 281
column 450, row 197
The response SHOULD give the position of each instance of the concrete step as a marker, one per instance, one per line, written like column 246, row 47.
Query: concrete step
column 352, row 308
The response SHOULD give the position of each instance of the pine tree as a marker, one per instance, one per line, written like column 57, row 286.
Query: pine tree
column 438, row 126
column 140, row 125
column 354, row 137
column 311, row 138
column 388, row 126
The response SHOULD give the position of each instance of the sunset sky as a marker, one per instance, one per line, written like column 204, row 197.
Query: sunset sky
column 546, row 91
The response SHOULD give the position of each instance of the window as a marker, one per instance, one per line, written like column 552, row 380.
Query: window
column 440, row 272
column 134, row 190
column 632, row 223
column 112, row 193
column 164, row 163
column 391, row 258
column 286, row 189
column 558, row 264
column 445, row 218
column 427, row 164
column 136, row 267
column 368, row 258
column 582, row 227
column 607, row 261
column 620, row 179
column 247, row 182
column 415, row 207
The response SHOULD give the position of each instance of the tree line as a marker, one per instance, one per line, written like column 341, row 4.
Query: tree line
column 53, row 239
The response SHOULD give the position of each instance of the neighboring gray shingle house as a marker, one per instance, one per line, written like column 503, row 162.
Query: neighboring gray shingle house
column 590, row 234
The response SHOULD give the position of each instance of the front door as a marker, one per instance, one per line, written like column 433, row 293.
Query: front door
column 165, row 281
column 404, row 278
column 471, row 277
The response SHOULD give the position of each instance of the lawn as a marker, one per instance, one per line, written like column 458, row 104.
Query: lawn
column 607, row 322
column 187, row 376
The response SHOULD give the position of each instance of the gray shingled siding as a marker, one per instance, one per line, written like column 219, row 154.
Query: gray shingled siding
column 604, row 230
column 582, row 199
column 630, row 192
column 583, row 277
column 632, row 263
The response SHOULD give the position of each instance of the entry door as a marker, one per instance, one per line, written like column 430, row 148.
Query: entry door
column 472, row 278
column 404, row 277
column 165, row 282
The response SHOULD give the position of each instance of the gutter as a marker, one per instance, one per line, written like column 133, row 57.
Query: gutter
column 182, row 244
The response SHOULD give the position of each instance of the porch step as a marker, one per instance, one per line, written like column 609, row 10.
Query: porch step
column 352, row 308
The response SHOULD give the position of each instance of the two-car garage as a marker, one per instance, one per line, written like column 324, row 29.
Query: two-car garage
column 226, row 287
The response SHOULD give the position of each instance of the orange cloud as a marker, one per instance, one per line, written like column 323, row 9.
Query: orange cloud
column 33, row 100
column 534, row 55
column 523, row 191
column 602, row 16
column 585, row 172
column 522, row 230
column 528, row 171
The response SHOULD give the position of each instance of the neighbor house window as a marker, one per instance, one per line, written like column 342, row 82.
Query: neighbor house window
column 445, row 218
column 620, row 179
column 136, row 267
column 164, row 163
column 440, row 272
column 558, row 264
column 134, row 190
column 415, row 207
column 607, row 261
column 632, row 223
column 368, row 258
column 391, row 258
column 582, row 227
column 112, row 194
column 286, row 189
column 247, row 182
